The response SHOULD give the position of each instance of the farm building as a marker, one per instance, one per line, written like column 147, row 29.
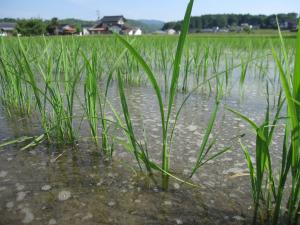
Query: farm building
column 132, row 31
column 108, row 24
column 7, row 29
column 113, row 20
column 171, row 31
column 66, row 29
column 85, row 30
column 293, row 26
column 113, row 24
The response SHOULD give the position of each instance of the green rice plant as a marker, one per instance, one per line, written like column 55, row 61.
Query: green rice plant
column 55, row 104
column 165, row 116
column 290, row 83
column 187, row 65
column 95, row 101
column 216, row 55
column 71, row 74
column 164, row 64
column 274, row 191
column 165, row 119
column 206, row 147
column 132, row 145
column 243, row 73
column 205, row 63
column 260, row 168
column 197, row 63
column 138, row 151
column 15, row 94
column 91, row 94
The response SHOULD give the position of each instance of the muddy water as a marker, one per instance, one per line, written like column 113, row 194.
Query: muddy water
column 64, row 185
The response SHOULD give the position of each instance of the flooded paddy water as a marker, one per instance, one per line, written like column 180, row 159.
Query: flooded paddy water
column 78, row 185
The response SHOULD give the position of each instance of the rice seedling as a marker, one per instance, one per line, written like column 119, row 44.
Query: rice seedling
column 205, row 147
column 90, row 96
column 261, row 171
column 290, row 83
column 268, row 194
column 58, row 124
column 165, row 119
column 164, row 64
column 15, row 94
column 187, row 64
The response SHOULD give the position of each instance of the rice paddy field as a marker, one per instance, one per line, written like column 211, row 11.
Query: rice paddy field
column 150, row 130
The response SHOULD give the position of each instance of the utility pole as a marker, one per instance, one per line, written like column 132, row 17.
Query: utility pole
column 98, row 14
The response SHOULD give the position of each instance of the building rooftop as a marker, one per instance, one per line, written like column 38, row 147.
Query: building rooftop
column 112, row 19
column 7, row 26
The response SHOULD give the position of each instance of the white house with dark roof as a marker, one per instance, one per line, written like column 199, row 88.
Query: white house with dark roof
column 113, row 20
column 7, row 29
column 113, row 24
column 134, row 32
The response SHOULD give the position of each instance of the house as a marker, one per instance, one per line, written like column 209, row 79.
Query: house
column 66, row 29
column 113, row 24
column 85, row 30
column 98, row 29
column 132, row 31
column 137, row 32
column 113, row 20
column 171, row 32
column 116, row 29
column 207, row 30
column 108, row 24
column 223, row 30
column 7, row 29
column 211, row 30
column 293, row 26
column 246, row 26
column 284, row 25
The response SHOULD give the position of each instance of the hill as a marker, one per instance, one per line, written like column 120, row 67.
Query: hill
column 147, row 26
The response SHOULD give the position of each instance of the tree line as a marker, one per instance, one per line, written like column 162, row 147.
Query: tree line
column 231, row 20
column 36, row 26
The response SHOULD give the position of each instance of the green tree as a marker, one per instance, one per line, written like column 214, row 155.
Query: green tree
column 78, row 27
column 31, row 27
column 221, row 21
column 52, row 27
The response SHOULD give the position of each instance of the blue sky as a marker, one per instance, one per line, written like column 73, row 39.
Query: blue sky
column 165, row 10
